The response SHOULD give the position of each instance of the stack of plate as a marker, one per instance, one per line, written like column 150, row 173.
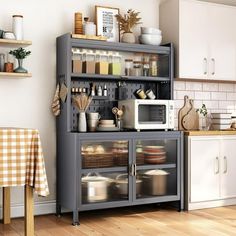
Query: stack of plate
column 221, row 121
column 154, row 154
column 150, row 36
column 107, row 125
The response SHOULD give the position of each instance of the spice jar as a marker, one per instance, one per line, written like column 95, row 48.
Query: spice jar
column 128, row 66
column 153, row 66
column 137, row 68
column 102, row 62
column 89, row 62
column 115, row 64
column 146, row 66
column 77, row 60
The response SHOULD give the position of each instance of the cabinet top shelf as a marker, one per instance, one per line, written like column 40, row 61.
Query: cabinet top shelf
column 20, row 75
column 116, row 46
column 14, row 43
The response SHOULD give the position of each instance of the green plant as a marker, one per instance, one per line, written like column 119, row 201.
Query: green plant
column 20, row 53
column 203, row 110
column 128, row 21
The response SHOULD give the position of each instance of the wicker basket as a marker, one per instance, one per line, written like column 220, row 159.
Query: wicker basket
column 121, row 159
column 97, row 160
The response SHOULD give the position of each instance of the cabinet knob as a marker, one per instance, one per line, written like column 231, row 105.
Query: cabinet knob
column 225, row 165
column 217, row 166
column 213, row 66
column 205, row 66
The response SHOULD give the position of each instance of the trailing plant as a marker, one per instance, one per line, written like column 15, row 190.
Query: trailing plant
column 128, row 21
column 20, row 53
column 203, row 110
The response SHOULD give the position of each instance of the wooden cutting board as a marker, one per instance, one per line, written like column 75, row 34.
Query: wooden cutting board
column 191, row 120
column 183, row 111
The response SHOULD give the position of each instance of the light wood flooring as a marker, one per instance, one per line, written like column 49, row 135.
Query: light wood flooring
column 136, row 221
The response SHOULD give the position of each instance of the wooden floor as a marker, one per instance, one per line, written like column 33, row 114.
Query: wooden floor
column 145, row 220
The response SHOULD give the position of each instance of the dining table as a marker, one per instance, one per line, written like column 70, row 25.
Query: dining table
column 22, row 164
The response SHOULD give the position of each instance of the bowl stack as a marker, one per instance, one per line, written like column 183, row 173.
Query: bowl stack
column 150, row 36
column 221, row 121
column 154, row 154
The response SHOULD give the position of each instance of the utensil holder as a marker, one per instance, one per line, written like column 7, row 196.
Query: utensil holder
column 82, row 125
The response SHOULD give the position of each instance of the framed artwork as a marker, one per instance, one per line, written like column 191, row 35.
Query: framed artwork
column 107, row 24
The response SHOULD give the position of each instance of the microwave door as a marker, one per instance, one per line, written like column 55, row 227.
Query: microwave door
column 152, row 116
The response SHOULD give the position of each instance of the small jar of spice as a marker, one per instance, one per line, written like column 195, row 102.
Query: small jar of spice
column 128, row 66
column 153, row 65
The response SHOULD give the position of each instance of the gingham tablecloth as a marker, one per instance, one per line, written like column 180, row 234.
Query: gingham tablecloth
column 21, row 160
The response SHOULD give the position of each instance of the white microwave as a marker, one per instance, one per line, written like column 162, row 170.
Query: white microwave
column 143, row 114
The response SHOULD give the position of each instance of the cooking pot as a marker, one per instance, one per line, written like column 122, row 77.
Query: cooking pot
column 122, row 184
column 155, row 182
column 95, row 187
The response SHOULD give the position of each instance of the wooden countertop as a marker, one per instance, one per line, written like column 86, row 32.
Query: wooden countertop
column 209, row 132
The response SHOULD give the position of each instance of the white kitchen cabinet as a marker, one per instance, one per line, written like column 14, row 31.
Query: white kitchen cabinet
column 204, row 35
column 210, row 171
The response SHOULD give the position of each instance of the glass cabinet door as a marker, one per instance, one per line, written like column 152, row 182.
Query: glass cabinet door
column 101, row 154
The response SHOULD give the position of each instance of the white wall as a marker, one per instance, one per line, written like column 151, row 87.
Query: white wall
column 26, row 102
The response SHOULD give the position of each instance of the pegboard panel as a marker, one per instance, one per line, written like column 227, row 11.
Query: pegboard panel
column 114, row 88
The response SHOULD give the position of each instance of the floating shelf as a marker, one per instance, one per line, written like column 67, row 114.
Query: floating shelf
column 14, row 43
column 122, row 77
column 21, row 75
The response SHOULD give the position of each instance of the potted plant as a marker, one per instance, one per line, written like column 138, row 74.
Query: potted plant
column 20, row 54
column 205, row 118
column 126, row 23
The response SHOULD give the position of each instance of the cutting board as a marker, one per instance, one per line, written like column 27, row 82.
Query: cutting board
column 183, row 111
column 191, row 120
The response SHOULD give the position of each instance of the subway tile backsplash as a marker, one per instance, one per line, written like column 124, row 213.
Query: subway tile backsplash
column 217, row 97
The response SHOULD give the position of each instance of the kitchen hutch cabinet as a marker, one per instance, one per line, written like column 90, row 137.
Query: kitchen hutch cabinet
column 10, row 43
column 210, row 173
column 97, row 170
column 205, row 37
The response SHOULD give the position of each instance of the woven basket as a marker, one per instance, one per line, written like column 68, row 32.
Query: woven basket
column 97, row 160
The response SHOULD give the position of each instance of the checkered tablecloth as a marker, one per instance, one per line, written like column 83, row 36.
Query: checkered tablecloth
column 21, row 160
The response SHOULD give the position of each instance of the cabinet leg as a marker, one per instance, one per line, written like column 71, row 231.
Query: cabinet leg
column 58, row 210
column 180, row 208
column 75, row 218
column 6, row 206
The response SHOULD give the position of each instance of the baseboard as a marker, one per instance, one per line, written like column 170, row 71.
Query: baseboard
column 40, row 208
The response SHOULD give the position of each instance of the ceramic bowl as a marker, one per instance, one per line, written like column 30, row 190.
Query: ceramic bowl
column 150, row 30
column 150, row 39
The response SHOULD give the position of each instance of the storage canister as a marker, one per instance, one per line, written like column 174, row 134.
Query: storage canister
column 89, row 62
column 153, row 66
column 17, row 26
column 115, row 64
column 77, row 60
column 78, row 23
column 128, row 66
column 89, row 28
column 102, row 63
column 137, row 69
column 155, row 182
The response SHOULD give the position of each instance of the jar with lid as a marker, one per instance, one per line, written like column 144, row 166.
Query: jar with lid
column 89, row 28
column 153, row 65
column 115, row 64
column 146, row 66
column 77, row 60
column 89, row 62
column 128, row 66
column 102, row 62
column 137, row 68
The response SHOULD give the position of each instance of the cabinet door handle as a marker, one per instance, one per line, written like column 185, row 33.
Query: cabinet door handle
column 135, row 169
column 217, row 166
column 131, row 170
column 225, row 165
column 205, row 66
column 213, row 66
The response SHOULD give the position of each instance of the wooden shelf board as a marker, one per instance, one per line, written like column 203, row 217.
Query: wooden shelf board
column 12, row 42
column 22, row 75
column 209, row 132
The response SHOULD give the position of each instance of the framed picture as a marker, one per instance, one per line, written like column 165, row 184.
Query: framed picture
column 107, row 24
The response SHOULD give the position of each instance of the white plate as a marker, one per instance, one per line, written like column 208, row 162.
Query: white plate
column 221, row 115
column 107, row 126
column 103, row 129
column 219, row 127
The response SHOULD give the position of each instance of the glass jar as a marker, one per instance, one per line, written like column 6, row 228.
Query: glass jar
column 102, row 62
column 89, row 62
column 128, row 66
column 153, row 66
column 77, row 60
column 137, row 68
column 146, row 66
column 115, row 64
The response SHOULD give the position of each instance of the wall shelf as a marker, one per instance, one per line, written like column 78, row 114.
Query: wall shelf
column 20, row 75
column 14, row 43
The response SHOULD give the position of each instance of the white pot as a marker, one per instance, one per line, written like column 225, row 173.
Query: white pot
column 128, row 38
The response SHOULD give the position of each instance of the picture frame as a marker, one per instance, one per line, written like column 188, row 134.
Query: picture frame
column 107, row 24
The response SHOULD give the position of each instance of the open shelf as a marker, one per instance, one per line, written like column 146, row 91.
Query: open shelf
column 14, row 43
column 21, row 75
column 122, row 77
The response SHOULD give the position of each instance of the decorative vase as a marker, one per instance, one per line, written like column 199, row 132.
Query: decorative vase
column 20, row 69
column 128, row 38
column 82, row 124
column 206, row 122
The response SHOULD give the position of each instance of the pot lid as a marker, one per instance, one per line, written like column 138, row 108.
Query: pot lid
column 156, row 172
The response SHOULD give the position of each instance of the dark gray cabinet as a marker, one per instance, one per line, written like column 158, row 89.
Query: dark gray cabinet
column 114, row 169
